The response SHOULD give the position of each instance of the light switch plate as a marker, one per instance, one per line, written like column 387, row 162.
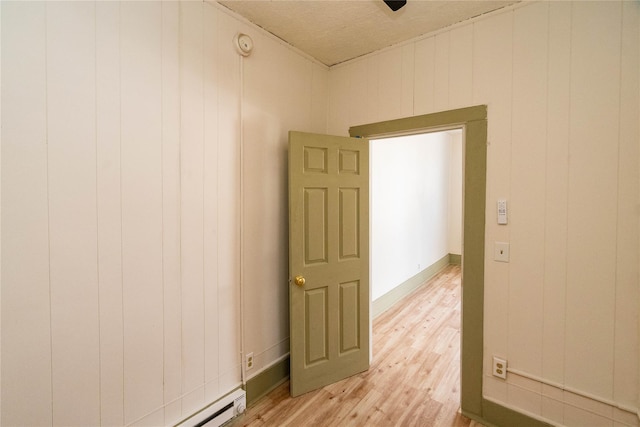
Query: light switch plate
column 502, row 212
column 501, row 252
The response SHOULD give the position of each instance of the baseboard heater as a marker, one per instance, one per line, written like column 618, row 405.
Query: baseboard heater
column 219, row 412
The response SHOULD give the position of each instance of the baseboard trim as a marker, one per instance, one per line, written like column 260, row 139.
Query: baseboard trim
column 259, row 386
column 455, row 259
column 388, row 300
column 477, row 418
column 498, row 415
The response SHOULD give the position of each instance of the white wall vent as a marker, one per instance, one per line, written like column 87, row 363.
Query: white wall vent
column 219, row 412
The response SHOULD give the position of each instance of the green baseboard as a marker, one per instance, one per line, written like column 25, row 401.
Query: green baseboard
column 494, row 414
column 388, row 300
column 259, row 386
column 455, row 259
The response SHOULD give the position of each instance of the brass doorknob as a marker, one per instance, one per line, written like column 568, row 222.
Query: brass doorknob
column 299, row 280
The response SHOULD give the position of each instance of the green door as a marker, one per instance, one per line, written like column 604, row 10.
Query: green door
column 328, row 259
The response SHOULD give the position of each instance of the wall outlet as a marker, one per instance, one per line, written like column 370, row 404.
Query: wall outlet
column 499, row 368
column 249, row 361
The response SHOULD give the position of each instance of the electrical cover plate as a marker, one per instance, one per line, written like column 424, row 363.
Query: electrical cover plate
column 499, row 368
column 501, row 252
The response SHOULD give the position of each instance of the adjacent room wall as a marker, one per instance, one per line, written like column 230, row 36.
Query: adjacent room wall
column 411, row 208
column 455, row 193
column 123, row 129
column 561, row 83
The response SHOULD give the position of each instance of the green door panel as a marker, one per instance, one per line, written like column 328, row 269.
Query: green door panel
column 329, row 248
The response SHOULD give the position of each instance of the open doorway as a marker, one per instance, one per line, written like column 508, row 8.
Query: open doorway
column 415, row 255
column 473, row 121
column 415, row 211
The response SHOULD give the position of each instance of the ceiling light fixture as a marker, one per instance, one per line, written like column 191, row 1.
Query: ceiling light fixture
column 395, row 4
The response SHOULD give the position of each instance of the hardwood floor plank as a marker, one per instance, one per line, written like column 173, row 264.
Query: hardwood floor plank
column 414, row 378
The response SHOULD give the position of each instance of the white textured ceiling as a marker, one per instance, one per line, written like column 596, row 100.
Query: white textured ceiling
column 334, row 31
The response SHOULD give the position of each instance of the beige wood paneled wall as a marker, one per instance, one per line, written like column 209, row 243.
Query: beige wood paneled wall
column 123, row 128
column 561, row 83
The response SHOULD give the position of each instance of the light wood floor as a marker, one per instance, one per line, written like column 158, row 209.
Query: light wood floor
column 413, row 379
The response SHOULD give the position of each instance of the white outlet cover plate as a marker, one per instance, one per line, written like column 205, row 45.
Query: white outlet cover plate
column 499, row 367
column 501, row 252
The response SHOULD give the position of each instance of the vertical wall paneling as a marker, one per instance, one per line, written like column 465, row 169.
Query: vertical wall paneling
column 192, row 208
column 556, row 179
column 338, row 94
column 210, row 194
column 408, row 68
column 319, row 91
column 120, row 237
column 171, row 280
column 461, row 67
column 301, row 89
column 261, row 135
column 424, row 76
column 527, row 202
column 363, row 99
column 561, row 83
column 298, row 73
column 492, row 55
column 141, row 133
column 389, row 85
column 295, row 90
column 154, row 419
column 627, row 290
column 71, row 98
column 269, row 111
column 441, row 80
column 109, row 208
column 26, row 339
column 228, row 225
column 374, row 77
column 353, row 95
column 592, row 209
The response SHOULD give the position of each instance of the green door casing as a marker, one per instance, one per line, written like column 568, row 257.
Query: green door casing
column 328, row 259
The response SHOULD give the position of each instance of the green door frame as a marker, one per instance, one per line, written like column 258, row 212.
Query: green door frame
column 474, row 122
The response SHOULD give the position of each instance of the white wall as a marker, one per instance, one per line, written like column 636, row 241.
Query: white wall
column 283, row 91
column 410, row 206
column 455, row 193
column 561, row 83
column 121, row 171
